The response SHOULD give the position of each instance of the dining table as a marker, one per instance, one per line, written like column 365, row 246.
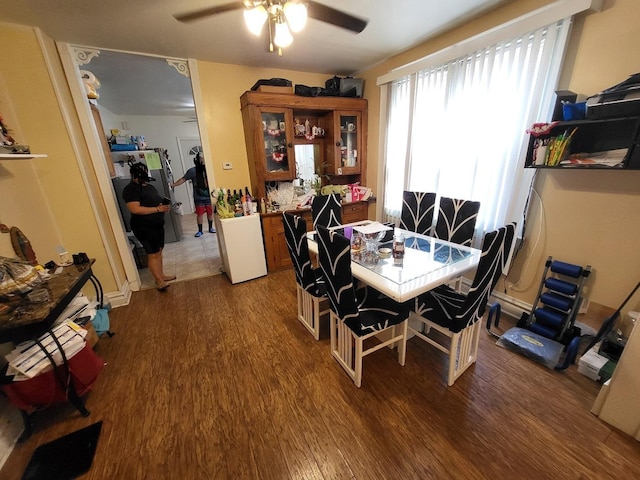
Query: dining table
column 426, row 263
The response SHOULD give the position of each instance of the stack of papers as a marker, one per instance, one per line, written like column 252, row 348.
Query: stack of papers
column 609, row 158
column 28, row 360
column 373, row 227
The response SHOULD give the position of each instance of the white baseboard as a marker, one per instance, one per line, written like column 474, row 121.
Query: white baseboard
column 509, row 305
column 119, row 298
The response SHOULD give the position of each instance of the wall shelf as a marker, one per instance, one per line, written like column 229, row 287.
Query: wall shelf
column 605, row 144
column 20, row 156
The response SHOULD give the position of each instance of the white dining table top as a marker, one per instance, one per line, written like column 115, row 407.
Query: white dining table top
column 427, row 263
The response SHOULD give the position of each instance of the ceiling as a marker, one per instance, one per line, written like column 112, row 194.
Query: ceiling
column 150, row 27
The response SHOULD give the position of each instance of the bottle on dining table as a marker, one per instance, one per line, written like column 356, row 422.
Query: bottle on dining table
column 398, row 246
column 356, row 242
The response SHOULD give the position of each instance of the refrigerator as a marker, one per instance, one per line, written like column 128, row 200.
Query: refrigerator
column 241, row 247
column 160, row 170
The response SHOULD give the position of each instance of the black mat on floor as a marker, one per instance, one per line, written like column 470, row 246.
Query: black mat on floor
column 65, row 458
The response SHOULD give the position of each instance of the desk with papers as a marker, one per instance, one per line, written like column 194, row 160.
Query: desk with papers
column 25, row 320
column 41, row 345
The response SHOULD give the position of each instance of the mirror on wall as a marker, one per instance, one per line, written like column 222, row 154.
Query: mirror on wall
column 307, row 157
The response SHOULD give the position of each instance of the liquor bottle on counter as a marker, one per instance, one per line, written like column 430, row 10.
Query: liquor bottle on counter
column 237, row 204
column 246, row 209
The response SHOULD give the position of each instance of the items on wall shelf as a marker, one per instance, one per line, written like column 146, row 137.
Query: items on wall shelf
column 596, row 144
column 20, row 156
column 8, row 146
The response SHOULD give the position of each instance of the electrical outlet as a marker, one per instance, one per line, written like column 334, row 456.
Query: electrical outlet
column 227, row 166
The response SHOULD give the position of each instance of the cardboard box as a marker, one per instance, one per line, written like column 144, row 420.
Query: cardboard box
column 92, row 336
column 591, row 364
column 272, row 89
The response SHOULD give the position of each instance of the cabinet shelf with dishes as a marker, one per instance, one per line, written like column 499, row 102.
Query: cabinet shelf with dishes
column 337, row 125
column 612, row 143
column 323, row 138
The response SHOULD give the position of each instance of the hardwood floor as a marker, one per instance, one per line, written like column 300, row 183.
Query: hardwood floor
column 210, row 380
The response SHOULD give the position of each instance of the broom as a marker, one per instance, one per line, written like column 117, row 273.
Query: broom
column 608, row 324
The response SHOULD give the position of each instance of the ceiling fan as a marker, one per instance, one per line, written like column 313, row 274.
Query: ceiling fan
column 282, row 17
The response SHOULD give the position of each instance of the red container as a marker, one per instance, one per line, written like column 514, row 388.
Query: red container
column 43, row 390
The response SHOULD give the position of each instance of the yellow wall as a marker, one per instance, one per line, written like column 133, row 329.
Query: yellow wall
column 46, row 198
column 221, row 86
column 586, row 217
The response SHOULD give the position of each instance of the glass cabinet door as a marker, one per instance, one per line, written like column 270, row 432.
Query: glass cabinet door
column 348, row 143
column 279, row 161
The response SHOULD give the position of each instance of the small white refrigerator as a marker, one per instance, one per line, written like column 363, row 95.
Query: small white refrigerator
column 241, row 247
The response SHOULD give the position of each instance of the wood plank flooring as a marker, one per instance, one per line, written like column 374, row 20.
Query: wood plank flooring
column 214, row 381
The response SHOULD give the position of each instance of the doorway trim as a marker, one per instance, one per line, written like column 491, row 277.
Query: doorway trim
column 105, row 188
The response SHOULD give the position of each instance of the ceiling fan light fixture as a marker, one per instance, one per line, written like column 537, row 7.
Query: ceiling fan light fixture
column 296, row 14
column 282, row 37
column 255, row 19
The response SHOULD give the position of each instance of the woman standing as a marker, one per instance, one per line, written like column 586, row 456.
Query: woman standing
column 147, row 220
column 201, row 194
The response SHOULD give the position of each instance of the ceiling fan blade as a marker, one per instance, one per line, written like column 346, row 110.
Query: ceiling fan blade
column 207, row 12
column 335, row 17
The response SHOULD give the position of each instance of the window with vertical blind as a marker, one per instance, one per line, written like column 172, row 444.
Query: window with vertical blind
column 459, row 128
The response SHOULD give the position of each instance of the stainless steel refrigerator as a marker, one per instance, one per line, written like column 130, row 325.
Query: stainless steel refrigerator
column 160, row 171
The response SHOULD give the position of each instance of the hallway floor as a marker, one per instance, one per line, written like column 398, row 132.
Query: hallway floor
column 191, row 257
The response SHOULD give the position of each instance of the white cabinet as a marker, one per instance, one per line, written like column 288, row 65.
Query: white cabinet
column 241, row 247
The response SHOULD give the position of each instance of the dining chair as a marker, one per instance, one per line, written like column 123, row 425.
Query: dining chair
column 311, row 293
column 456, row 315
column 417, row 211
column 326, row 210
column 456, row 220
column 456, row 223
column 357, row 315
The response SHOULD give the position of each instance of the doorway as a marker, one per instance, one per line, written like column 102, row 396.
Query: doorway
column 149, row 99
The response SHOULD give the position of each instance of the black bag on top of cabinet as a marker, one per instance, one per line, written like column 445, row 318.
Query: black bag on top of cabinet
column 306, row 91
column 345, row 86
column 273, row 82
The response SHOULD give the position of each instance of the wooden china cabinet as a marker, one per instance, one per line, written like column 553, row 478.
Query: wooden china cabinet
column 277, row 125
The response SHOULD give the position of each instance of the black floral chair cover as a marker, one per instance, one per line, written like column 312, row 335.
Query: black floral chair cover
column 417, row 212
column 311, row 291
column 456, row 220
column 455, row 314
column 295, row 233
column 356, row 314
column 326, row 210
